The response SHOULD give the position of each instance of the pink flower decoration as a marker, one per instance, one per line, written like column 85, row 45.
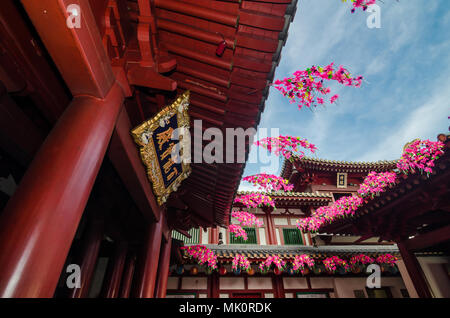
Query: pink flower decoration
column 238, row 231
column 303, row 86
column 269, row 182
column 240, row 262
column 202, row 254
column 300, row 261
column 275, row 260
column 246, row 218
column 254, row 200
column 421, row 155
column 286, row 146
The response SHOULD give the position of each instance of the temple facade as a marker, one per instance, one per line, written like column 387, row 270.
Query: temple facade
column 322, row 182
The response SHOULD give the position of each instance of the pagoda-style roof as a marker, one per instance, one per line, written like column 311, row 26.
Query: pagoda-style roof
column 416, row 206
column 316, row 164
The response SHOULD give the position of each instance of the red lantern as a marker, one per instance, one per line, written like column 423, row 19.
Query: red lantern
column 222, row 270
column 194, row 270
column 251, row 272
column 277, row 271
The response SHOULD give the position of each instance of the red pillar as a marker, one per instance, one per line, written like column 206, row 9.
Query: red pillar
column 414, row 271
column 149, row 265
column 163, row 269
column 214, row 235
column 89, row 256
column 39, row 222
column 270, row 228
column 115, row 271
column 128, row 277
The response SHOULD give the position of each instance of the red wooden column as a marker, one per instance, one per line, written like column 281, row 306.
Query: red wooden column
column 163, row 269
column 39, row 222
column 149, row 265
column 127, row 279
column 112, row 285
column 270, row 228
column 414, row 271
column 214, row 236
column 89, row 256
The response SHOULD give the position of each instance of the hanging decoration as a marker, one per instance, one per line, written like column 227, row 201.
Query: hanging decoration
column 420, row 155
column 300, row 262
column 376, row 183
column 246, row 218
column 305, row 87
column 240, row 262
column 275, row 260
column 269, row 182
column 387, row 259
column 287, row 146
column 255, row 200
column 237, row 231
column 332, row 263
column 364, row 4
column 202, row 254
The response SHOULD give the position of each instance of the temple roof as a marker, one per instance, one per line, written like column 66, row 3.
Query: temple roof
column 335, row 165
column 262, row 251
column 403, row 210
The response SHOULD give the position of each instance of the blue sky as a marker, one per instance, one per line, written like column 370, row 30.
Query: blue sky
column 406, row 64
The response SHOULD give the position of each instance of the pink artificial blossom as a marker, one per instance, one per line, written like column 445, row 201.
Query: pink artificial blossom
column 246, row 218
column 421, row 155
column 202, row 254
column 238, row 231
column 275, row 260
column 240, row 262
column 286, row 145
column 254, row 200
column 303, row 86
column 269, row 182
column 301, row 261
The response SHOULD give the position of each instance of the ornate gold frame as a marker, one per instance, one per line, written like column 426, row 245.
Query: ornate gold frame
column 148, row 152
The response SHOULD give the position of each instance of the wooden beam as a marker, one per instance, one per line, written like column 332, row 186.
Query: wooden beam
column 428, row 239
column 414, row 271
column 125, row 158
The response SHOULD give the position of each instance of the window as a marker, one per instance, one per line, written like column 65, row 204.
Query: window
column 251, row 235
column 383, row 292
column 292, row 237
column 195, row 236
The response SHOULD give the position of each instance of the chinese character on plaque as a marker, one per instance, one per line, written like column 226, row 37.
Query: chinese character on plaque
column 159, row 140
column 341, row 180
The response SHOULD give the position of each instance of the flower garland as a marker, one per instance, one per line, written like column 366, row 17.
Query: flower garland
column 376, row 183
column 276, row 260
column 386, row 259
column 238, row 231
column 269, row 182
column 286, row 145
column 331, row 264
column 240, row 262
column 364, row 4
column 345, row 206
column 301, row 87
column 361, row 259
column 202, row 254
column 246, row 219
column 300, row 261
column 254, row 200
column 420, row 154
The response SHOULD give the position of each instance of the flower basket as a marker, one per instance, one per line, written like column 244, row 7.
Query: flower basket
column 318, row 270
column 237, row 271
column 357, row 268
column 180, row 270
